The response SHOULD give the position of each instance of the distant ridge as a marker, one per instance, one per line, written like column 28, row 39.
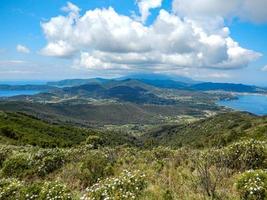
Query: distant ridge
column 154, row 76
column 76, row 82
column 149, row 81
column 230, row 87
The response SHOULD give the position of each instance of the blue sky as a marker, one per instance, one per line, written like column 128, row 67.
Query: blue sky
column 222, row 43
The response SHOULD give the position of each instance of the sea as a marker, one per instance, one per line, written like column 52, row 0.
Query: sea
column 256, row 104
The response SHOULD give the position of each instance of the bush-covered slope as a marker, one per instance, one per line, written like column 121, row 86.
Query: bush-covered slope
column 219, row 130
column 21, row 129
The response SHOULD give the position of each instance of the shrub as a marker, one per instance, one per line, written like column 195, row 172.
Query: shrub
column 48, row 160
column 17, row 165
column 95, row 141
column 252, row 185
column 10, row 188
column 127, row 186
column 8, row 132
column 51, row 161
column 244, row 155
column 31, row 192
column 95, row 165
column 55, row 190
column 162, row 153
column 4, row 153
column 207, row 175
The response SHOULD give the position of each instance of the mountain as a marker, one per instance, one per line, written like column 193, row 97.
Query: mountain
column 148, row 81
column 124, row 91
column 154, row 76
column 168, row 84
column 77, row 82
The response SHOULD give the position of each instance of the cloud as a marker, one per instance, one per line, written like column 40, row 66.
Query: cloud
column 264, row 68
column 250, row 10
column 145, row 6
column 216, row 75
column 104, row 39
column 70, row 7
column 4, row 63
column 22, row 49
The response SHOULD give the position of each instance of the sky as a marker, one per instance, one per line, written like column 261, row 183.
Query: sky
column 209, row 40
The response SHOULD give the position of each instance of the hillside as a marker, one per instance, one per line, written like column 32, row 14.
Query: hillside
column 122, row 91
column 219, row 130
column 21, row 129
column 101, row 114
column 94, row 164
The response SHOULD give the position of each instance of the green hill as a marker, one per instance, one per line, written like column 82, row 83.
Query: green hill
column 219, row 130
column 22, row 129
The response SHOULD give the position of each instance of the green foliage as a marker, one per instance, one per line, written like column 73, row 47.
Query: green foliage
column 95, row 165
column 126, row 186
column 8, row 132
column 21, row 129
column 11, row 189
column 55, row 190
column 17, row 165
column 217, row 131
column 48, row 160
column 251, row 154
column 95, row 141
column 252, row 185
column 4, row 152
column 33, row 163
column 31, row 191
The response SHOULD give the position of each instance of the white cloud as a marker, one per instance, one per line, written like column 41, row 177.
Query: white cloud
column 264, row 68
column 71, row 8
column 22, row 49
column 104, row 39
column 251, row 10
column 58, row 48
column 145, row 6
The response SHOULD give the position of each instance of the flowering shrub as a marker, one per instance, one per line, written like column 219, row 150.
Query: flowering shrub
column 252, row 185
column 127, row 186
column 10, row 188
column 16, row 166
column 244, row 155
column 55, row 190
column 31, row 192
column 48, row 160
